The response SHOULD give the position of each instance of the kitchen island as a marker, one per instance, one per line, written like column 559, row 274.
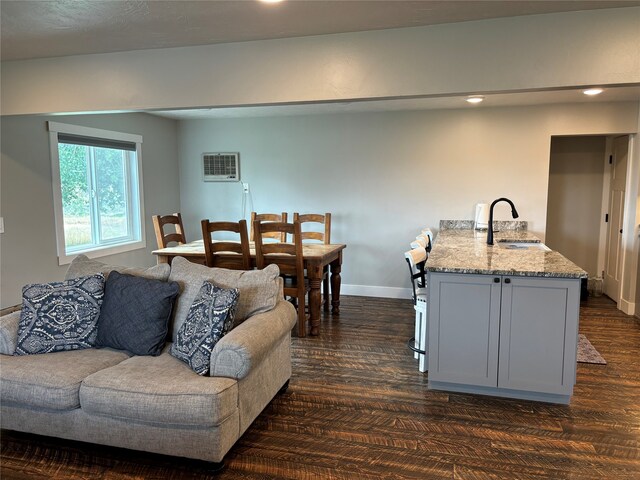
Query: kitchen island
column 503, row 318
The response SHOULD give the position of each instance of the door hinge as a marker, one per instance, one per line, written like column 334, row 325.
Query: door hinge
column 606, row 218
column 610, row 159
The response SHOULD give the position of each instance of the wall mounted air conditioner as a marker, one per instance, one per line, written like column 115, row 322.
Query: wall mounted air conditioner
column 221, row 167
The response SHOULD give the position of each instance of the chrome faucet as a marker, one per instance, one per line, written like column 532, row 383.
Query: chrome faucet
column 514, row 214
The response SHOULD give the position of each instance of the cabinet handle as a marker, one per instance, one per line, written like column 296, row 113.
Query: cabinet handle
column 496, row 280
column 507, row 280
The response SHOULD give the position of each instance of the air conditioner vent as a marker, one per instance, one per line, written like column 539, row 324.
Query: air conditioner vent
column 221, row 167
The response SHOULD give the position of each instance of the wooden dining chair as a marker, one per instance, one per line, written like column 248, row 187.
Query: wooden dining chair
column 288, row 257
column 241, row 260
column 323, row 237
column 163, row 239
column 269, row 217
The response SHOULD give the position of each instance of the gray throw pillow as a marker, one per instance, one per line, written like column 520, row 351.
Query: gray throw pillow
column 259, row 289
column 60, row 316
column 135, row 314
column 209, row 319
column 82, row 266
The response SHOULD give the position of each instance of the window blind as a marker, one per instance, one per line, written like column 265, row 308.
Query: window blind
column 96, row 142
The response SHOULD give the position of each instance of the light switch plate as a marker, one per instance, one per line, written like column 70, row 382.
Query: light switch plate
column 1, row 224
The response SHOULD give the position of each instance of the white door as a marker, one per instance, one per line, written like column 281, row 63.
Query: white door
column 612, row 268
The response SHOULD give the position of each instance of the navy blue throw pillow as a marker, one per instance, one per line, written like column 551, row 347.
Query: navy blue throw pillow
column 59, row 316
column 209, row 319
column 135, row 313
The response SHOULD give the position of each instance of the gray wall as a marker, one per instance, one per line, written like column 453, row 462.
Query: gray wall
column 576, row 175
column 28, row 248
column 384, row 176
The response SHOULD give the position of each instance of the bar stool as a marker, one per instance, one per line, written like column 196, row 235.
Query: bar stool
column 416, row 259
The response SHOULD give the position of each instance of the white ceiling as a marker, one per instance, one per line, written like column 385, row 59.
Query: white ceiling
column 35, row 29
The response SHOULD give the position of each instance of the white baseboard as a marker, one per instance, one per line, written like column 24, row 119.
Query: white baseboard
column 373, row 291
column 627, row 307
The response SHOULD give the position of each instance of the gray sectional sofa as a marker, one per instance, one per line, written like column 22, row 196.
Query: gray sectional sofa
column 156, row 404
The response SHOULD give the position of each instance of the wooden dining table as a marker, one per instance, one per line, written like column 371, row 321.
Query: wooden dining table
column 316, row 258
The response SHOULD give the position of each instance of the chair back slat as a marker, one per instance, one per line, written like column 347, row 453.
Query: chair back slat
column 213, row 249
column 173, row 237
column 163, row 239
column 281, row 248
column 269, row 217
column 325, row 220
column 313, row 236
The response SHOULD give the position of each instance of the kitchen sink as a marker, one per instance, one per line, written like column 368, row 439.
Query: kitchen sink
column 523, row 246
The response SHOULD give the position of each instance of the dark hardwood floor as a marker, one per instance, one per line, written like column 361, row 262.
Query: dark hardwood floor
column 357, row 408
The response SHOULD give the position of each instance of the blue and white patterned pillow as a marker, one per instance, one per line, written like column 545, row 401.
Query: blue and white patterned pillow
column 209, row 319
column 60, row 316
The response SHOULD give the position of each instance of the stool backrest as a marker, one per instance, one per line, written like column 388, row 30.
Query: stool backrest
column 416, row 259
column 429, row 234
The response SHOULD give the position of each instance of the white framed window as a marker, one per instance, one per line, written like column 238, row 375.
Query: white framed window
column 97, row 191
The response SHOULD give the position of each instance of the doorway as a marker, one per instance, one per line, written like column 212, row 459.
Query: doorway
column 586, row 206
column 613, row 265
column 575, row 199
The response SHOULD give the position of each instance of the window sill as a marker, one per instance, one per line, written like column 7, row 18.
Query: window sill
column 98, row 252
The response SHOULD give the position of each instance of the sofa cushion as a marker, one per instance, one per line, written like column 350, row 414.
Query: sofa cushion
column 82, row 266
column 60, row 316
column 9, row 325
column 259, row 289
column 209, row 319
column 135, row 313
column 51, row 380
column 159, row 390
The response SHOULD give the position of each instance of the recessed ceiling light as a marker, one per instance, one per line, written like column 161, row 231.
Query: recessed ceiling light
column 270, row 1
column 592, row 91
column 474, row 99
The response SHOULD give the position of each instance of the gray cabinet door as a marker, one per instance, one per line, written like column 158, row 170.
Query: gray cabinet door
column 538, row 334
column 464, row 318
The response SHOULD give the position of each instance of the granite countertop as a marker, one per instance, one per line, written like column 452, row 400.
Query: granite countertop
column 466, row 251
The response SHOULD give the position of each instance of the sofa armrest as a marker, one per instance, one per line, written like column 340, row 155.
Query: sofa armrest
column 243, row 347
column 9, row 333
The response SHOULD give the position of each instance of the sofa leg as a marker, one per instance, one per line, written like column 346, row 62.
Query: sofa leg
column 214, row 467
column 283, row 389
